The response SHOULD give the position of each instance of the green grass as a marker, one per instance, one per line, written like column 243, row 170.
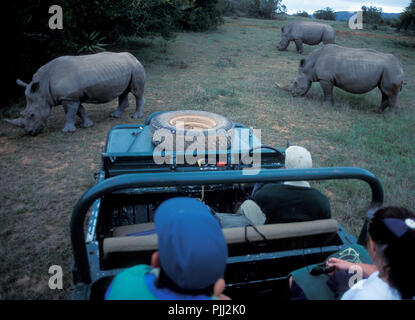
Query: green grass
column 231, row 71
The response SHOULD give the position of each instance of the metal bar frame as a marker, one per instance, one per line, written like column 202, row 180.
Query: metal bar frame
column 80, row 255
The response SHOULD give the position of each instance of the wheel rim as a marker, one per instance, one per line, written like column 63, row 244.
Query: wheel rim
column 193, row 122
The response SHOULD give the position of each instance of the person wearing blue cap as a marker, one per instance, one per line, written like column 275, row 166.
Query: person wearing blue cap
column 190, row 261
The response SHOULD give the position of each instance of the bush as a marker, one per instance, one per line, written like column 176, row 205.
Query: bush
column 205, row 15
column 268, row 9
column 394, row 23
column 407, row 18
column 325, row 14
column 231, row 7
column 302, row 14
column 372, row 15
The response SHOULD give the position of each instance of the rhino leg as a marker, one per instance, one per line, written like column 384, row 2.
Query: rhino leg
column 139, row 107
column 393, row 106
column 383, row 104
column 71, row 109
column 391, row 91
column 122, row 105
column 86, row 122
column 299, row 45
column 327, row 87
column 137, row 89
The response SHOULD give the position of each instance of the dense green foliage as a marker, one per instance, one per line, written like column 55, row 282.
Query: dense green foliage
column 268, row 9
column 407, row 18
column 372, row 15
column 202, row 16
column 303, row 14
column 90, row 26
column 325, row 14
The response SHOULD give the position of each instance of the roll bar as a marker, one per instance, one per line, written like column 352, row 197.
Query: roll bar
column 141, row 180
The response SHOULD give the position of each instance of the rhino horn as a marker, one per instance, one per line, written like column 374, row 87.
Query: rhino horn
column 21, row 83
column 286, row 87
column 17, row 122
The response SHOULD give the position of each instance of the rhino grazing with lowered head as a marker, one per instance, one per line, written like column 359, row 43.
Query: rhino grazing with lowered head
column 311, row 33
column 73, row 80
column 353, row 70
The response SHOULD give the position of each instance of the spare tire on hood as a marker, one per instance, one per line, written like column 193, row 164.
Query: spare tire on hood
column 188, row 125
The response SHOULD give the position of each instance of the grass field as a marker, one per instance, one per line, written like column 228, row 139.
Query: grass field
column 231, row 71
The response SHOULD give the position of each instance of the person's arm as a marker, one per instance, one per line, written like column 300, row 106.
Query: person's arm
column 339, row 264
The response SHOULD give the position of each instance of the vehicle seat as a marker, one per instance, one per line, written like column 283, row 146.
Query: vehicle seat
column 131, row 230
column 142, row 237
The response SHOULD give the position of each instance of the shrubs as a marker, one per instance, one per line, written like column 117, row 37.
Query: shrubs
column 372, row 15
column 268, row 9
column 303, row 14
column 407, row 18
column 92, row 43
column 372, row 19
column 206, row 14
column 325, row 14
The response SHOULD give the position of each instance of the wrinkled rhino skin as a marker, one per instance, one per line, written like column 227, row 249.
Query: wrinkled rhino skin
column 72, row 80
column 308, row 32
column 353, row 70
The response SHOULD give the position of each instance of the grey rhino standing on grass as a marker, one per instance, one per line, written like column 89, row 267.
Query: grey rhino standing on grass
column 311, row 33
column 350, row 69
column 73, row 80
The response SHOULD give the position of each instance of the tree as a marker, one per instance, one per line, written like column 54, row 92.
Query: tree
column 325, row 14
column 269, row 9
column 302, row 14
column 407, row 18
column 372, row 15
column 204, row 15
column 257, row 6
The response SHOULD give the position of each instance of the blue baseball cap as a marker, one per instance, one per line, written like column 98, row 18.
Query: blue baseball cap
column 192, row 248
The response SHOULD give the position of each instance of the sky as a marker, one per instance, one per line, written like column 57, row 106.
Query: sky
column 389, row 6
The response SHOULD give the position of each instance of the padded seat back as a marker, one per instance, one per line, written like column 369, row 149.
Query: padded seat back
column 121, row 242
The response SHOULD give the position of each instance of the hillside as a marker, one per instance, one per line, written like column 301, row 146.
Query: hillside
column 345, row 15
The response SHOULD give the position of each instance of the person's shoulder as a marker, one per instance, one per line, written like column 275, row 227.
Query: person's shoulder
column 316, row 191
column 382, row 288
column 317, row 194
column 130, row 284
column 269, row 190
column 372, row 288
column 365, row 294
column 138, row 270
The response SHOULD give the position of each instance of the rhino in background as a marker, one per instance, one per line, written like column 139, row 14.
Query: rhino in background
column 352, row 70
column 311, row 33
column 73, row 80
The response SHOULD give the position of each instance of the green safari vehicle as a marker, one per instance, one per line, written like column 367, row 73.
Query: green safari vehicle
column 112, row 224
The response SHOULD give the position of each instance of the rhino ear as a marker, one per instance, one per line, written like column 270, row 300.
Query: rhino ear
column 302, row 63
column 34, row 87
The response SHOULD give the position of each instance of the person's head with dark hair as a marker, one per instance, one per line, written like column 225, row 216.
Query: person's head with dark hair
column 391, row 245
